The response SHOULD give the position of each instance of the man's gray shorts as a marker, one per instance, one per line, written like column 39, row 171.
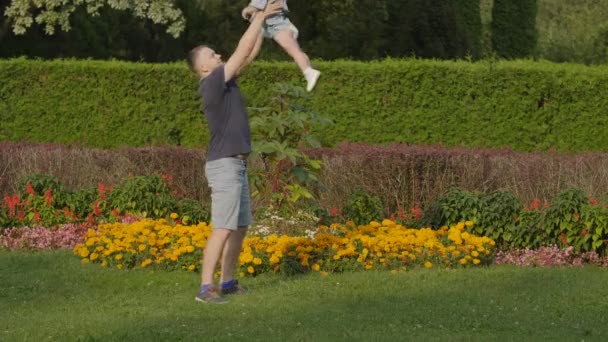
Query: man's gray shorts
column 274, row 25
column 230, row 202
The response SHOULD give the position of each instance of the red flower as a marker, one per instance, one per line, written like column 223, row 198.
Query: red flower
column 546, row 204
column 563, row 238
column 48, row 197
column 67, row 213
column 584, row 232
column 535, row 204
column 36, row 216
column 11, row 203
column 101, row 188
column 20, row 215
column 96, row 209
column 592, row 200
column 29, row 189
column 115, row 212
column 90, row 219
column 334, row 212
column 576, row 216
column 417, row 212
column 401, row 215
column 393, row 217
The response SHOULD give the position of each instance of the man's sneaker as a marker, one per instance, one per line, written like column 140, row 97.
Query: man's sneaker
column 311, row 76
column 208, row 294
column 232, row 287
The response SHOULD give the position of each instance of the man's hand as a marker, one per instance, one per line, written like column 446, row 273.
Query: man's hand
column 273, row 7
column 247, row 42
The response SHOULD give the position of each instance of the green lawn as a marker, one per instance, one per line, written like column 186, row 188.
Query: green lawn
column 51, row 296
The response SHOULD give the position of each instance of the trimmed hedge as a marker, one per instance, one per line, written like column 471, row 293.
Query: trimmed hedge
column 522, row 104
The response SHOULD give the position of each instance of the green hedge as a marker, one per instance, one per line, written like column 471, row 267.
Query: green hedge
column 522, row 104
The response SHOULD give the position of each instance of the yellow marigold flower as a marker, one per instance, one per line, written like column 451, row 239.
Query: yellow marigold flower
column 428, row 264
column 84, row 253
column 174, row 215
column 250, row 269
column 369, row 267
column 104, row 263
column 492, row 243
column 476, row 261
column 94, row 256
column 190, row 249
column 323, row 273
column 119, row 266
column 475, row 253
column 118, row 257
column 463, row 261
column 85, row 261
column 247, row 258
column 316, row 267
column 257, row 261
column 469, row 223
column 191, row 268
column 142, row 248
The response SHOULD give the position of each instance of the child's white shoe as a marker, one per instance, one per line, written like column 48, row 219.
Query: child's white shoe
column 311, row 76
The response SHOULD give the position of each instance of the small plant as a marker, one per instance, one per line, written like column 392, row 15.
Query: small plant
column 363, row 207
column 455, row 206
column 193, row 212
column 147, row 196
column 279, row 131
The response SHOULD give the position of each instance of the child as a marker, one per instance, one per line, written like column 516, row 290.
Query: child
column 280, row 28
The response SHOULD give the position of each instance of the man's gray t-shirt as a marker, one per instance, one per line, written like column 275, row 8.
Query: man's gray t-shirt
column 224, row 108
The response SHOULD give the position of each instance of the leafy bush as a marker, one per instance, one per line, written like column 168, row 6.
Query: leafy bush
column 499, row 213
column 455, row 206
column 192, row 211
column 363, row 207
column 148, row 196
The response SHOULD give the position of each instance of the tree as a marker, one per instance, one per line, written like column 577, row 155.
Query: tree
column 514, row 27
column 53, row 13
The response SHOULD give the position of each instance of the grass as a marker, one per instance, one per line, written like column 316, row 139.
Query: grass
column 51, row 296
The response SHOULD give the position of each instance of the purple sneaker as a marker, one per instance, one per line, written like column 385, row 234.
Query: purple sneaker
column 232, row 287
column 209, row 294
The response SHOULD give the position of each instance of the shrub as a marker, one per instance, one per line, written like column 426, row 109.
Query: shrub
column 514, row 27
column 363, row 207
column 148, row 196
column 522, row 104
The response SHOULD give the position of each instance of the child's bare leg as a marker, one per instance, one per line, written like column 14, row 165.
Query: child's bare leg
column 288, row 42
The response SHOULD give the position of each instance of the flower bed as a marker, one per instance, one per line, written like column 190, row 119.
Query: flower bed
column 41, row 238
column 162, row 244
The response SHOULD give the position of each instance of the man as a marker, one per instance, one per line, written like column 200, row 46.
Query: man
column 226, row 167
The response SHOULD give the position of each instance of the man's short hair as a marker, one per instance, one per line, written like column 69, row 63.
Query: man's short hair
column 192, row 55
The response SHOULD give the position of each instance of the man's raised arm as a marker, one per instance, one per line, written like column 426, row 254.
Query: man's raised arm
column 248, row 41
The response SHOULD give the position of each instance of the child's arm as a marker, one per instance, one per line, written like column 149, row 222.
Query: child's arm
column 248, row 40
column 248, row 12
